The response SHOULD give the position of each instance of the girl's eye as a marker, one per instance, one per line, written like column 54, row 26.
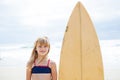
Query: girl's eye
column 39, row 46
column 45, row 46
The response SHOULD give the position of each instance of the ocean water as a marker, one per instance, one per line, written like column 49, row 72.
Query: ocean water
column 17, row 55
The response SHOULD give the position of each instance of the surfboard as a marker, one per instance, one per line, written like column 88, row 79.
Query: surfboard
column 80, row 57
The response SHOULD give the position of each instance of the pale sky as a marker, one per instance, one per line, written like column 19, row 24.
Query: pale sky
column 23, row 21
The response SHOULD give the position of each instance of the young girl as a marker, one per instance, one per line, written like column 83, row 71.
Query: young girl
column 39, row 67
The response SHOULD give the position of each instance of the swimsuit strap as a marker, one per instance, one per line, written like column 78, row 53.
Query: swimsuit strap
column 48, row 62
column 34, row 62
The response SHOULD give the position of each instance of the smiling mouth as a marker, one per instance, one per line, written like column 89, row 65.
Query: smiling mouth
column 42, row 51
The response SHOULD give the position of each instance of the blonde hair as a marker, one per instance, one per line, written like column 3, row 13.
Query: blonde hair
column 34, row 55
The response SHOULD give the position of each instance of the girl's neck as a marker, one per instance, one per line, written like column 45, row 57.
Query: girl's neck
column 40, row 60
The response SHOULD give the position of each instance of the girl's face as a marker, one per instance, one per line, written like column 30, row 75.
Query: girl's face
column 42, row 50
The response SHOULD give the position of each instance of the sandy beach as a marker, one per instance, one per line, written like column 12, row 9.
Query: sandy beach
column 112, row 74
column 18, row 73
column 12, row 73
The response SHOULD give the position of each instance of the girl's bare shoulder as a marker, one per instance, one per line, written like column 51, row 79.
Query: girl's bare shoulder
column 52, row 63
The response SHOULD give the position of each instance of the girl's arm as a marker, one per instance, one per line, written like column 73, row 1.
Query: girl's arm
column 28, row 74
column 54, row 71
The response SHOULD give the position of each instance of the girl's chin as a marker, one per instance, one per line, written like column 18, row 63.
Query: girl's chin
column 43, row 54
